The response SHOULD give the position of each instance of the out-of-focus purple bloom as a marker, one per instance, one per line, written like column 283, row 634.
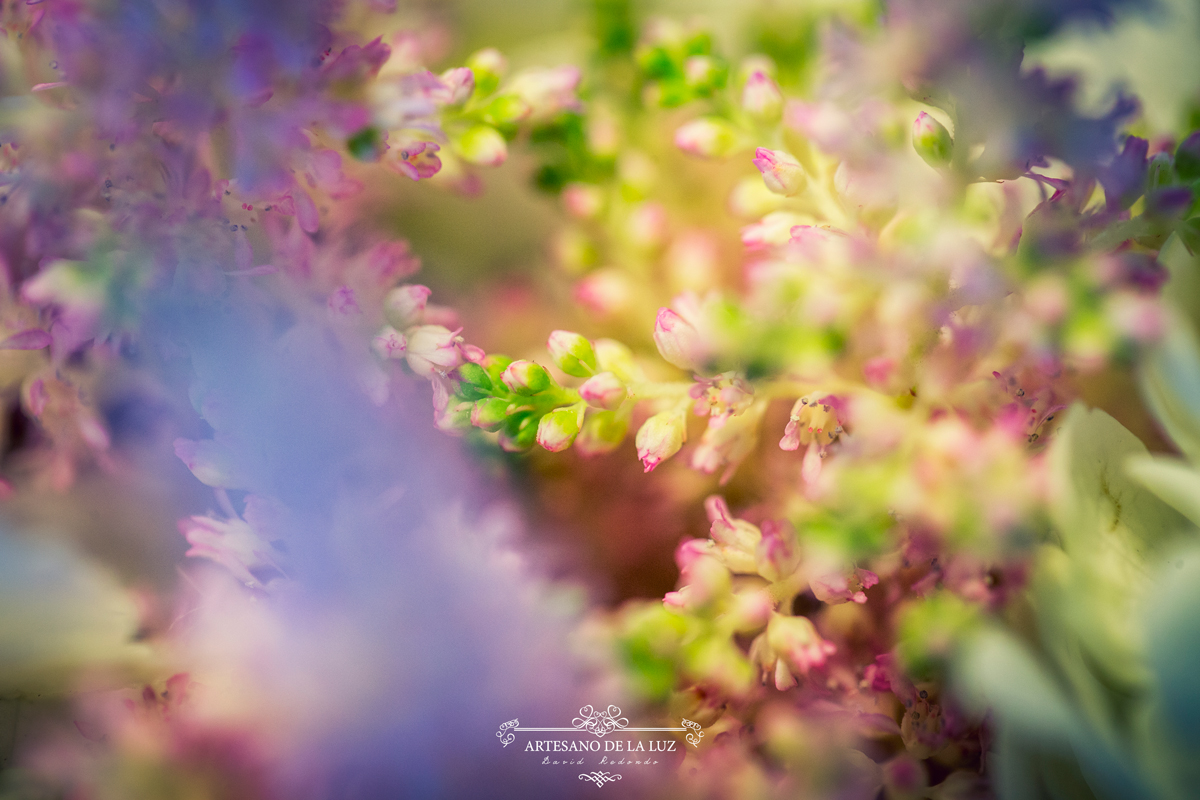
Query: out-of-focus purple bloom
column 1124, row 178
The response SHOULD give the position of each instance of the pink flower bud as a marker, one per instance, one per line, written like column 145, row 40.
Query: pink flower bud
column 781, row 171
column 660, row 437
column 708, row 137
column 572, row 353
column 691, row 549
column 932, row 141
column 526, row 377
column 605, row 391
column 403, row 306
column 559, row 428
column 678, row 340
column 761, row 97
column 432, row 349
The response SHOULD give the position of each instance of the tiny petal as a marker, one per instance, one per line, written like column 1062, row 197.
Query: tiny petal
column 31, row 339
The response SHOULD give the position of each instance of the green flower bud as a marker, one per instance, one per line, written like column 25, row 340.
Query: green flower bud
column 932, row 141
column 482, row 145
column 558, row 429
column 519, row 432
column 572, row 353
column 488, row 66
column 526, row 377
column 471, row 374
column 602, row 433
column 490, row 413
column 495, row 366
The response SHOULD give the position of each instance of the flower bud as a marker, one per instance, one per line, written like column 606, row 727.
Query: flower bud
column 559, row 428
column 389, row 343
column 572, row 353
column 1160, row 171
column 506, row 109
column 750, row 610
column 704, row 73
column 548, row 91
column 455, row 417
column 526, row 377
column 1187, row 158
column 776, row 555
column 708, row 137
column 432, row 349
column 474, row 379
column 761, row 97
column 583, row 200
column 613, row 356
column 707, row 580
column 403, row 306
column 796, row 640
column 459, row 84
column 932, row 141
column 482, row 145
column 604, row 390
column 602, row 433
column 660, row 437
column 781, row 171
column 519, row 433
column 678, row 340
column 488, row 66
column 489, row 413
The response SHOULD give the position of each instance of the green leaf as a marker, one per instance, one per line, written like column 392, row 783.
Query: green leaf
column 1173, row 482
column 1170, row 382
column 1096, row 496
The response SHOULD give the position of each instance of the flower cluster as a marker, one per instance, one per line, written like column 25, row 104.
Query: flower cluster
column 843, row 282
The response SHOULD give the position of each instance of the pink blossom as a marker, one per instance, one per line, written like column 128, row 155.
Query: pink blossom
column 389, row 343
column 432, row 349
column 838, row 587
column 416, row 160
